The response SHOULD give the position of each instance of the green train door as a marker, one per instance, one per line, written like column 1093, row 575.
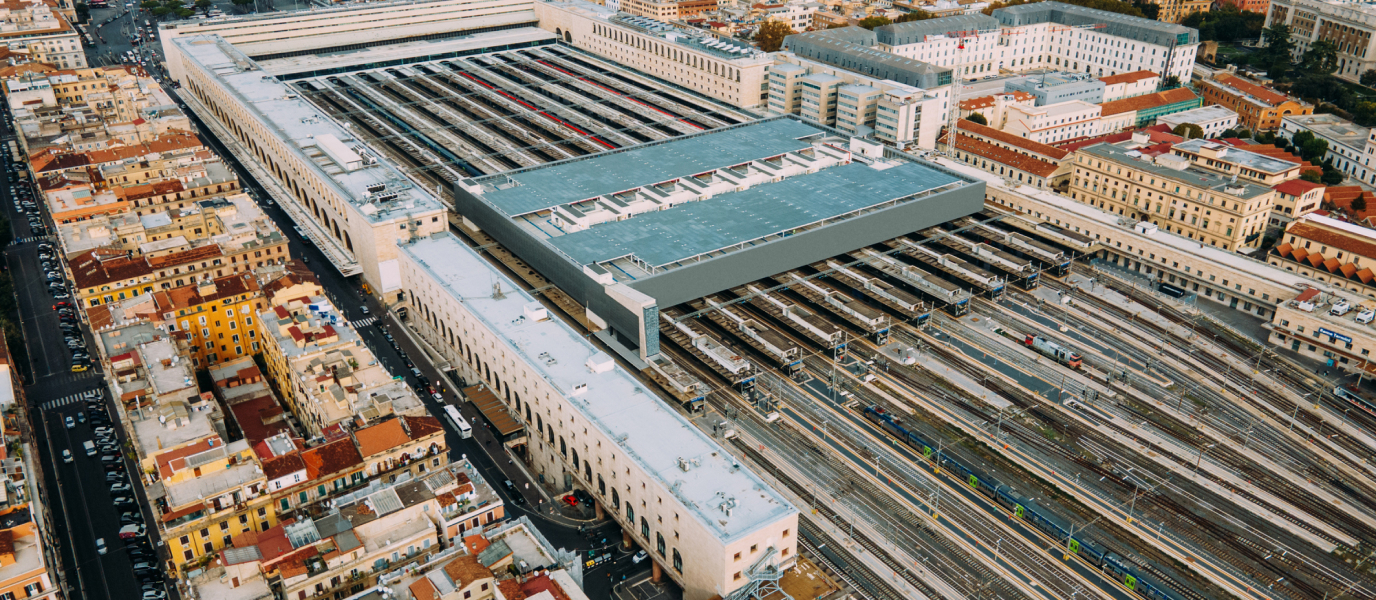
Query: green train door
column 1073, row 546
column 1017, row 510
column 974, row 482
column 927, row 451
column 1130, row 582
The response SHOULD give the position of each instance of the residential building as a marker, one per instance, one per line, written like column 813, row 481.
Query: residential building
column 39, row 28
column 351, row 205
column 1052, row 123
column 1258, row 107
column 1014, row 143
column 730, row 71
column 208, row 498
column 932, row 41
column 1260, row 7
column 1140, row 111
column 1213, row 120
column 712, row 537
column 1127, row 85
column 1350, row 146
column 471, row 506
column 1049, row 35
column 1295, row 199
column 1236, row 161
column 1015, row 166
column 1348, row 25
column 1057, row 87
column 402, row 446
column 1339, row 253
column 1342, row 198
column 215, row 318
column 25, row 571
column 900, row 114
column 1172, row 194
column 991, row 107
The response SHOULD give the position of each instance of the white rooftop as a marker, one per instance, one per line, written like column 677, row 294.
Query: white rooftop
column 650, row 432
column 375, row 55
column 1205, row 114
column 310, row 133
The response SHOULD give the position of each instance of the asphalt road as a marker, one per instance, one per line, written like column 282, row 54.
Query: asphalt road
column 78, row 498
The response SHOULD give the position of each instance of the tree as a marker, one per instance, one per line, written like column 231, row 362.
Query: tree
column 149, row 4
column 1267, row 137
column 977, row 118
column 1228, row 133
column 1243, row 134
column 1312, row 176
column 771, row 35
column 161, row 11
column 1149, row 10
column 1321, row 58
column 205, row 5
column 83, row 12
column 1331, row 176
column 1314, row 150
column 1170, row 82
column 1188, row 131
column 1277, row 53
column 1359, row 203
column 1226, row 24
column 871, row 22
column 915, row 15
column 184, row 13
column 1369, row 78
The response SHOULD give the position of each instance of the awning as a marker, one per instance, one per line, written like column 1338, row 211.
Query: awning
column 493, row 409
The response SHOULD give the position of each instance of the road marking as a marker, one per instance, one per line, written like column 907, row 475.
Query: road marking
column 363, row 322
column 36, row 238
column 63, row 401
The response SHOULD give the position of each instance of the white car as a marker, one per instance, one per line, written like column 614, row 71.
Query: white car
column 640, row 557
column 100, row 545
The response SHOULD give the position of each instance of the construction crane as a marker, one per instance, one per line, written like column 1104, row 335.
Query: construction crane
column 953, row 115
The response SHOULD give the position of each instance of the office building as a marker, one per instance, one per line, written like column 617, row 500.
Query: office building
column 936, row 41
column 1213, row 120
column 1052, row 123
column 1127, row 85
column 1057, row 87
column 1141, row 111
column 1173, row 194
column 1349, row 25
column 707, row 523
column 899, row 114
column 1053, row 35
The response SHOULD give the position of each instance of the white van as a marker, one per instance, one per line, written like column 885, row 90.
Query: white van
column 90, row 447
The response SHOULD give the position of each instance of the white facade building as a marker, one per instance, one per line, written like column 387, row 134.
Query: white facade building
column 40, row 29
column 707, row 522
column 896, row 113
column 1053, row 122
column 1350, row 146
column 1052, row 35
column 1214, row 120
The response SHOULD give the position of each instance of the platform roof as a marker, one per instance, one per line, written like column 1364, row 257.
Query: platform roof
column 694, row 228
column 644, row 428
column 544, row 187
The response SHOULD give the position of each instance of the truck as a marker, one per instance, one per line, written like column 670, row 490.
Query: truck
column 1055, row 351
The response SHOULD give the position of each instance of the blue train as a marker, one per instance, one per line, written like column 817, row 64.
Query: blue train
column 1034, row 515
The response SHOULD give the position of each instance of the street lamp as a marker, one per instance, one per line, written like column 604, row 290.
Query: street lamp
column 1296, row 414
column 1202, row 450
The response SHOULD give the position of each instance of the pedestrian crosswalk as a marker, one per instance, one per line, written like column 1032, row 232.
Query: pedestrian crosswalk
column 63, row 401
column 363, row 322
column 28, row 240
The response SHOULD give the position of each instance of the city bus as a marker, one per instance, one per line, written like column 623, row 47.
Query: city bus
column 461, row 424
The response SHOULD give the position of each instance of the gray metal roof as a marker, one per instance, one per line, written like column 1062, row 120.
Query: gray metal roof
column 1120, row 25
column 913, row 32
column 852, row 34
column 543, row 187
column 691, row 229
column 866, row 61
column 1191, row 176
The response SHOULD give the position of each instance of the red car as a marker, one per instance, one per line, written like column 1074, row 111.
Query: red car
column 63, row 304
column 571, row 500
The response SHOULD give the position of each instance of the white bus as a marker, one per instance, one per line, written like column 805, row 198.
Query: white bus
column 465, row 431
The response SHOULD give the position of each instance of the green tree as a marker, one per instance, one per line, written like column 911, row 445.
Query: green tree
column 771, row 35
column 1359, row 203
column 1267, row 137
column 1188, row 131
column 83, row 12
column 1243, row 134
column 1331, row 176
column 1228, row 133
column 1312, row 176
column 1170, row 82
column 205, row 5
column 1149, row 10
column 1277, row 53
column 1369, row 78
column 871, row 22
column 184, row 13
column 914, row 15
column 1226, row 24
column 1321, row 58
column 1314, row 150
column 977, row 118
column 161, row 11
column 1299, row 139
column 149, row 4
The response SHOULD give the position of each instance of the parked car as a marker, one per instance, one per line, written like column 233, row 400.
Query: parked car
column 71, row 423
column 100, row 545
column 67, row 456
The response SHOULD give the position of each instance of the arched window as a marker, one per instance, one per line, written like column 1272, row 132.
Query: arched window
column 659, row 543
column 563, row 448
column 678, row 561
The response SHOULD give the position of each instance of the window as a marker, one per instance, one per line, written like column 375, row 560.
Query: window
column 644, row 528
column 678, row 561
column 659, row 543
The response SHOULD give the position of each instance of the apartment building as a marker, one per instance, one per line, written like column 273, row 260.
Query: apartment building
column 405, row 446
column 1058, row 87
column 1258, row 107
column 1052, row 123
column 991, row 107
column 712, row 536
column 210, row 497
column 1350, row 146
column 900, row 114
column 1237, row 161
column 729, row 71
column 24, row 569
column 1127, row 85
column 1213, row 120
column 1294, row 199
column 1014, row 166
column 39, row 28
column 1172, row 194
column 215, row 318
column 1141, row 111
column 471, row 506
column 250, row 240
column 352, row 206
column 1348, row 25
column 1049, row 35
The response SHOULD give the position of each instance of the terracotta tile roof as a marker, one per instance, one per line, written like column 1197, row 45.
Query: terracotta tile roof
column 422, row 427
column 1146, row 101
column 422, row 589
column 1296, row 187
column 260, row 417
column 1259, row 92
column 446, row 499
column 543, row 583
column 380, row 438
column 177, row 258
column 334, row 457
column 1336, row 240
column 987, row 101
column 465, row 570
column 1342, row 197
column 189, row 295
column 511, row 589
column 173, row 460
column 968, row 127
column 1132, row 77
column 1156, row 133
column 475, row 544
column 284, row 465
column 1004, row 156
